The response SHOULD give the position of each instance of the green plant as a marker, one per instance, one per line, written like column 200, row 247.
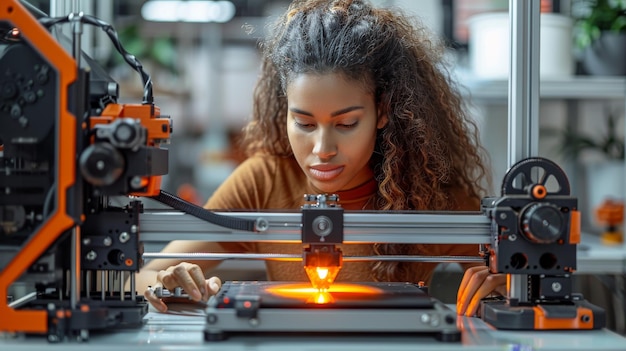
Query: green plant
column 601, row 15
column 573, row 143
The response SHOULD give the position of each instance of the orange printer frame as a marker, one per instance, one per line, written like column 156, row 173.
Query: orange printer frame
column 36, row 321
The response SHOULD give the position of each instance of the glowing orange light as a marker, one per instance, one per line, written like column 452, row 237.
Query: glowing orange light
column 309, row 294
column 322, row 277
column 321, row 298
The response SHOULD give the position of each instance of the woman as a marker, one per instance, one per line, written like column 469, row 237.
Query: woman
column 352, row 100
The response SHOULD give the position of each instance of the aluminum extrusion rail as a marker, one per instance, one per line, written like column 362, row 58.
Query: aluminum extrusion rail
column 359, row 227
column 297, row 258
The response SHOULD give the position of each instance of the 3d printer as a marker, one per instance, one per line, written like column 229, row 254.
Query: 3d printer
column 535, row 230
column 68, row 147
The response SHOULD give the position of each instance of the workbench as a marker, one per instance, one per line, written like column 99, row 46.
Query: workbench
column 182, row 329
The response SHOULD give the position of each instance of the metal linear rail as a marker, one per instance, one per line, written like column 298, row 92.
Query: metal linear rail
column 297, row 258
column 523, row 113
column 359, row 227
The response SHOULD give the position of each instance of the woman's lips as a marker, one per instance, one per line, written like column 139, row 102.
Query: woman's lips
column 324, row 172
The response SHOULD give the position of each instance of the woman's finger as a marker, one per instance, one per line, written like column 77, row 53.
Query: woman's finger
column 489, row 284
column 213, row 284
column 181, row 273
column 474, row 283
column 154, row 300
column 467, row 276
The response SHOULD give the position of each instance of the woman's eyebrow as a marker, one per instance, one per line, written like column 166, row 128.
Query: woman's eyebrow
column 333, row 114
column 346, row 110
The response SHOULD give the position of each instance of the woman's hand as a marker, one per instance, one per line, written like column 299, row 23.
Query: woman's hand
column 188, row 276
column 477, row 283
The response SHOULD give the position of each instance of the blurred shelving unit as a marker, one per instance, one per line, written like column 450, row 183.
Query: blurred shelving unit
column 574, row 88
column 573, row 95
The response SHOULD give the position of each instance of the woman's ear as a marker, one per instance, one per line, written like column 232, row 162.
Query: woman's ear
column 382, row 121
column 381, row 110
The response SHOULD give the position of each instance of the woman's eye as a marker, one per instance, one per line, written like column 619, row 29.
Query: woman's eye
column 303, row 125
column 347, row 125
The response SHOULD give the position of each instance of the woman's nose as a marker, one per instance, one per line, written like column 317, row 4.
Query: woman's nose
column 325, row 145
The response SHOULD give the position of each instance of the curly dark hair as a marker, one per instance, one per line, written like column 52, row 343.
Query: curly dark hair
column 429, row 136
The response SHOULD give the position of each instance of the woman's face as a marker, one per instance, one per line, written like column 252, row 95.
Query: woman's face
column 331, row 125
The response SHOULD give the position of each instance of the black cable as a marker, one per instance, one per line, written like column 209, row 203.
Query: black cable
column 128, row 57
column 163, row 197
column 204, row 214
column 37, row 13
column 112, row 34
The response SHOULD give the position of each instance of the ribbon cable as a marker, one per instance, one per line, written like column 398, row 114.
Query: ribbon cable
column 204, row 214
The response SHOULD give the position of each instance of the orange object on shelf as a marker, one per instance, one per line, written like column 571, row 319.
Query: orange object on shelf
column 189, row 193
column 610, row 214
